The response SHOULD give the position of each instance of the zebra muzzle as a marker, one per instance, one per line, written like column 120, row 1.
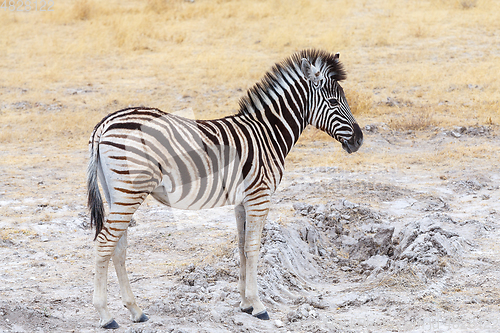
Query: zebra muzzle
column 352, row 144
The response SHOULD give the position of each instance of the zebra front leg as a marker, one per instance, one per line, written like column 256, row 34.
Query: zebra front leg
column 255, row 219
column 128, row 298
column 239, row 211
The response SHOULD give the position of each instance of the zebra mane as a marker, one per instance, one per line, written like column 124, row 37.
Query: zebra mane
column 287, row 70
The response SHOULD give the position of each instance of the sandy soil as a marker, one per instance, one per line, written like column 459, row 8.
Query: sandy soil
column 410, row 248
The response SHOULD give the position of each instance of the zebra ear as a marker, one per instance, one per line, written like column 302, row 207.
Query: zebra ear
column 337, row 56
column 310, row 72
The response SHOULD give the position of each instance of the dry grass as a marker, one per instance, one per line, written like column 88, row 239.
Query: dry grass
column 87, row 58
column 418, row 119
column 402, row 281
column 359, row 102
column 41, row 126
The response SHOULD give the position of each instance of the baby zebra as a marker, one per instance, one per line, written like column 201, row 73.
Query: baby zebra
column 196, row 164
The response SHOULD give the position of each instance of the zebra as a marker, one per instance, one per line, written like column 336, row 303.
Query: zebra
column 196, row 164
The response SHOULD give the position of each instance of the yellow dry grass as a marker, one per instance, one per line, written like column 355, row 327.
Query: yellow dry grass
column 418, row 119
column 62, row 71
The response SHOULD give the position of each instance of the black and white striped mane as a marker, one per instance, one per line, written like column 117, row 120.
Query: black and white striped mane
column 326, row 62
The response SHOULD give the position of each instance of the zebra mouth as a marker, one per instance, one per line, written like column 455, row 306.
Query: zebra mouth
column 347, row 147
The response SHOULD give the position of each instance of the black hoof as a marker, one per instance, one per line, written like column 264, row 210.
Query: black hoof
column 142, row 318
column 112, row 325
column 262, row 315
column 248, row 310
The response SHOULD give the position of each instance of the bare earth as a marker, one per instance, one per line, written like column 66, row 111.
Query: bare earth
column 401, row 236
column 410, row 248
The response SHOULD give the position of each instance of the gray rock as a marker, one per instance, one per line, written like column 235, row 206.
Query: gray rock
column 347, row 241
column 383, row 239
column 364, row 249
column 377, row 261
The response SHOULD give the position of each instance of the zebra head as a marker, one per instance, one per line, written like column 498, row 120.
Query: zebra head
column 329, row 110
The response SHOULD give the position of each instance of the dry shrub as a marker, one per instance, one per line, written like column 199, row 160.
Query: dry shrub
column 413, row 120
column 163, row 6
column 82, row 10
column 465, row 4
column 420, row 31
column 468, row 4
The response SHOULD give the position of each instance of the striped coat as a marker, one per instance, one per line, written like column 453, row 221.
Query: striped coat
column 195, row 164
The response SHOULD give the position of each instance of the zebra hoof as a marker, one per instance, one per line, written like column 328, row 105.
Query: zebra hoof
column 262, row 315
column 142, row 319
column 248, row 310
column 112, row 325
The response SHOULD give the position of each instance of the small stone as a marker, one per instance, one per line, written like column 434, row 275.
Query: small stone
column 348, row 241
column 349, row 204
column 278, row 323
column 377, row 261
column 371, row 128
column 313, row 314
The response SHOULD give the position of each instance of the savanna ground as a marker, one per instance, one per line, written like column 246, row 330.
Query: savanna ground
column 401, row 236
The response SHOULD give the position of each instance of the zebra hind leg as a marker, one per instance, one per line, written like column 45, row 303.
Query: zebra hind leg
column 128, row 298
column 107, row 241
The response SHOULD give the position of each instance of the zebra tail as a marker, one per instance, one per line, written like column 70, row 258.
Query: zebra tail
column 94, row 199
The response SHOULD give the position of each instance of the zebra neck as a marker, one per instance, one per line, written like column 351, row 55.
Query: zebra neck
column 280, row 121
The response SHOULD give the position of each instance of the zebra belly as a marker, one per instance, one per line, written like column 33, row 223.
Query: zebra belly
column 198, row 194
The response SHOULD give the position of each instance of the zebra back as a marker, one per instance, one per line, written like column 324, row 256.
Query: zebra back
column 194, row 164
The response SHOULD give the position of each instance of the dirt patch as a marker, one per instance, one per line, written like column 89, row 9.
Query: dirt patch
column 342, row 251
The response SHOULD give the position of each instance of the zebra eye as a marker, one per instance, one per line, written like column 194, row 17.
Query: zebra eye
column 333, row 102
